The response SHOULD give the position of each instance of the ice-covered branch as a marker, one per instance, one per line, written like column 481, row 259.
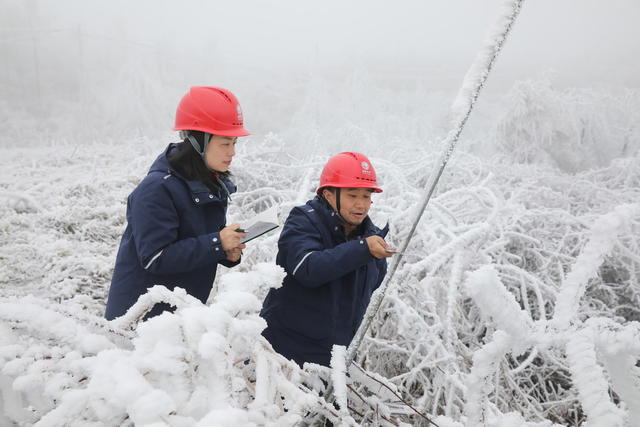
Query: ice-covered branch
column 198, row 364
column 615, row 337
column 59, row 358
column 477, row 75
column 603, row 236
column 625, row 379
column 157, row 294
column 591, row 383
column 488, row 292
column 479, row 383
column 339, row 382
column 31, row 314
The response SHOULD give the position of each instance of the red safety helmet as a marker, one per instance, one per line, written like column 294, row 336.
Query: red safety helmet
column 349, row 170
column 212, row 110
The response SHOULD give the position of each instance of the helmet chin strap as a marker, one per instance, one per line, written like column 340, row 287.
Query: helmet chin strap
column 196, row 146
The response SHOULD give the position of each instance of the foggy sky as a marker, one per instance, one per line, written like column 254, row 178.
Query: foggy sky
column 85, row 51
column 584, row 41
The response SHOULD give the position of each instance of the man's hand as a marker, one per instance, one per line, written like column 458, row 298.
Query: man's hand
column 377, row 247
column 230, row 238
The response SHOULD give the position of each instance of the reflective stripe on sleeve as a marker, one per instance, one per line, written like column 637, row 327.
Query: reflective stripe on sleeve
column 152, row 259
column 301, row 261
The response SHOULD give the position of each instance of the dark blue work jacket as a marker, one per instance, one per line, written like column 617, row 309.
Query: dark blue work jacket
column 328, row 285
column 172, row 238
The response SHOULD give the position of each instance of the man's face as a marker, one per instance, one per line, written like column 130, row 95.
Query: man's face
column 220, row 152
column 354, row 203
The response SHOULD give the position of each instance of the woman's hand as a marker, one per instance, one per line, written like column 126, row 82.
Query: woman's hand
column 234, row 255
column 230, row 238
column 378, row 247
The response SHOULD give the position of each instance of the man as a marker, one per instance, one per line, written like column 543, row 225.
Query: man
column 334, row 258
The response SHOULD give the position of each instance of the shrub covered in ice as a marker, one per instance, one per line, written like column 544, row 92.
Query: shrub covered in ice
column 520, row 281
column 518, row 303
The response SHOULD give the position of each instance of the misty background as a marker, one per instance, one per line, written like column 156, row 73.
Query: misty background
column 543, row 187
column 324, row 76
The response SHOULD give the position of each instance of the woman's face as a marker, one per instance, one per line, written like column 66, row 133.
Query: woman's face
column 220, row 152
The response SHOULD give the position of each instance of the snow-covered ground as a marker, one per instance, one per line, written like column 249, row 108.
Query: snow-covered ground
column 517, row 304
column 519, row 300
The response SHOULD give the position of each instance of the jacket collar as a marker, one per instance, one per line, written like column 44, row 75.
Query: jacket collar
column 198, row 189
column 333, row 222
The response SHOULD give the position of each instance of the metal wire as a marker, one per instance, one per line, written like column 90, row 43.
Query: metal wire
column 450, row 143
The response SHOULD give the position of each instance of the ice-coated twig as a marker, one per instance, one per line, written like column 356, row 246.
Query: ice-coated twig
column 603, row 237
column 479, row 381
column 488, row 292
column 156, row 294
column 338, row 378
column 589, row 379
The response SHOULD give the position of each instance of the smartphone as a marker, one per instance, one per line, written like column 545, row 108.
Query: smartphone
column 391, row 251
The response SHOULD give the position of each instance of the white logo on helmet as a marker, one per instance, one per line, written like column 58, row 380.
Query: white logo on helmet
column 365, row 168
column 239, row 111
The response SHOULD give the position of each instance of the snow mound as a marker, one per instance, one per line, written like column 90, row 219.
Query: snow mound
column 199, row 364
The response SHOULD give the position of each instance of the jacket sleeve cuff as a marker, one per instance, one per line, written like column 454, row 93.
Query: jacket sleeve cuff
column 216, row 244
column 361, row 250
column 230, row 264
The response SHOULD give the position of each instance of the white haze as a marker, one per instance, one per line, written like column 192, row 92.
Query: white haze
column 108, row 68
column 517, row 303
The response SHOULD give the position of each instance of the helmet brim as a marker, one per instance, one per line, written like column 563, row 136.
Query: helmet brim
column 219, row 132
column 374, row 188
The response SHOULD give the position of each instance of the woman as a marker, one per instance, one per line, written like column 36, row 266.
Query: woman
column 176, row 234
